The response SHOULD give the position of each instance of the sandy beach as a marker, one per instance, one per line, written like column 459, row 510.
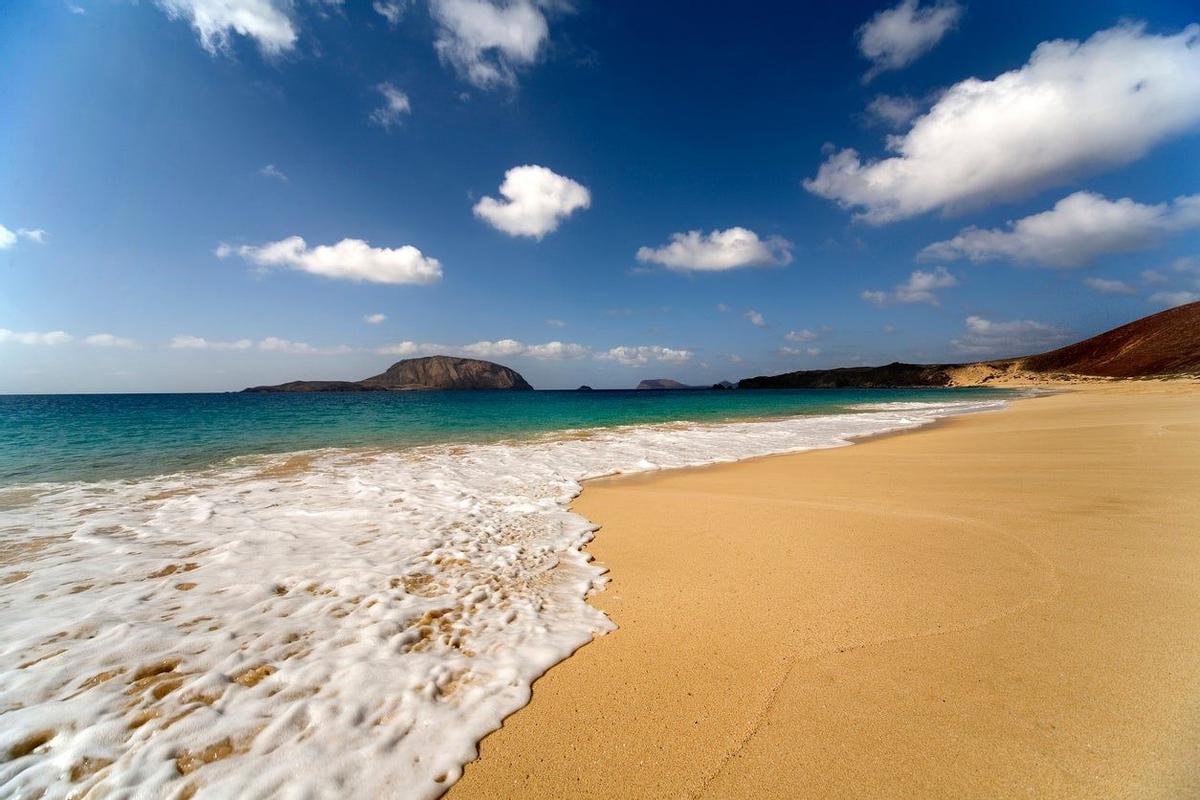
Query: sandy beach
column 1002, row 605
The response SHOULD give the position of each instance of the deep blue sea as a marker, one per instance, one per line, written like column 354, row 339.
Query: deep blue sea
column 92, row 437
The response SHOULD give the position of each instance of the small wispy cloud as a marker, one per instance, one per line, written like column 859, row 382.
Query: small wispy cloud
column 273, row 172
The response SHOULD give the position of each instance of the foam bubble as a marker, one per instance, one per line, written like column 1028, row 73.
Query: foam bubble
column 334, row 623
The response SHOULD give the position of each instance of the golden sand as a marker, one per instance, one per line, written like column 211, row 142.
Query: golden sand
column 1005, row 605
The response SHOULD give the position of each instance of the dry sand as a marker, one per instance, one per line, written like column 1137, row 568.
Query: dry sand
column 1005, row 605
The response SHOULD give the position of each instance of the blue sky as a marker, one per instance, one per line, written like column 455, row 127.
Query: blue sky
column 158, row 161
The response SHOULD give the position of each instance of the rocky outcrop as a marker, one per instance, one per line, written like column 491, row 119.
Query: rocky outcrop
column 891, row 375
column 662, row 383
column 447, row 372
column 415, row 374
column 1160, row 345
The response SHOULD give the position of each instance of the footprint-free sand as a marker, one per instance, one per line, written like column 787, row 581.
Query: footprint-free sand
column 1003, row 605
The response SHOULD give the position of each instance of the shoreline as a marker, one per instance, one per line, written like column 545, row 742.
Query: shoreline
column 585, row 728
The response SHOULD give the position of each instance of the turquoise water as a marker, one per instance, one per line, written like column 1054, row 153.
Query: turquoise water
column 91, row 437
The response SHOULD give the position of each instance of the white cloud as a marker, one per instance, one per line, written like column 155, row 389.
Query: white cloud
column 273, row 344
column 9, row 238
column 1073, row 108
column 1173, row 299
column 35, row 337
column 408, row 348
column 200, row 343
column 109, row 340
column 722, row 307
column 801, row 336
column 895, row 37
column 895, row 112
column 718, row 251
column 755, row 319
column 273, row 172
column 487, row 41
column 374, row 319
column 1106, row 286
column 556, row 323
column 265, row 21
column 395, row 107
column 1189, row 265
column 498, row 349
column 349, row 259
column 391, row 10
column 919, row 288
column 1011, row 338
column 796, row 351
column 557, row 350
column 636, row 356
column 502, row 348
column 1153, row 276
column 536, row 200
column 1080, row 227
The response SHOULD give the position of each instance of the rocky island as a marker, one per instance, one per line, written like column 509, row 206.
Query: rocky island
column 418, row 374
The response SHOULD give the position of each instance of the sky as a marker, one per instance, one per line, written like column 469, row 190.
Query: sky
column 200, row 195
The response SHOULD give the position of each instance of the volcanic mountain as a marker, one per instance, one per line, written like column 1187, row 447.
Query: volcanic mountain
column 1160, row 345
column 432, row 372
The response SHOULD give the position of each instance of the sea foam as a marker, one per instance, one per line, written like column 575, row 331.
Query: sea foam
column 325, row 624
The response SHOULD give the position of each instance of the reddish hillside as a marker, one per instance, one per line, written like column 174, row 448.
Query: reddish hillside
column 1166, row 343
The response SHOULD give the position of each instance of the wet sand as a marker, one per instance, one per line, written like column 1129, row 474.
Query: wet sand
column 1005, row 605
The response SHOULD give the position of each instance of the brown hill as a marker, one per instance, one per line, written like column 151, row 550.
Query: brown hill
column 1162, row 344
column 447, row 372
column 432, row 372
column 1166, row 343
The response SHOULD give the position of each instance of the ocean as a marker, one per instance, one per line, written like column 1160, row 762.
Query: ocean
column 327, row 595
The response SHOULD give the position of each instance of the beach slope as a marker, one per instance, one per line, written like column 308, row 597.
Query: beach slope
column 1004, row 605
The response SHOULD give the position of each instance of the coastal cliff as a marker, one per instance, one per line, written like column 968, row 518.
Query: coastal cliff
column 416, row 374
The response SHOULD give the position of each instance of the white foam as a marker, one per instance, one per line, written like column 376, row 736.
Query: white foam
column 402, row 602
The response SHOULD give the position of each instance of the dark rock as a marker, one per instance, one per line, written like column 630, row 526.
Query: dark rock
column 662, row 383
column 432, row 372
column 585, row 388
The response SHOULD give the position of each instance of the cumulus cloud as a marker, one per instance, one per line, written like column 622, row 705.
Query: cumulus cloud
column 554, row 351
column 1170, row 299
column 536, row 200
column 796, row 351
column 374, row 319
column 9, row 238
column 556, row 323
column 1073, row 108
column 349, row 259
column 898, row 36
column 50, row 338
column 637, row 356
column 1079, row 228
column 109, row 340
column 919, row 288
column 498, row 349
column 395, row 107
column 392, row 11
column 717, row 251
column 267, row 22
column 755, row 318
column 487, row 41
column 200, row 343
column 1107, row 286
column 801, row 336
column 1015, row 337
column 409, row 348
column 273, row 172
